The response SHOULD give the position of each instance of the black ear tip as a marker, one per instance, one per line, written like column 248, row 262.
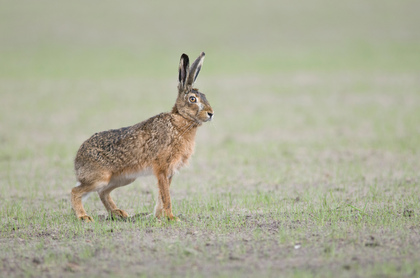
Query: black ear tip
column 202, row 54
column 184, row 56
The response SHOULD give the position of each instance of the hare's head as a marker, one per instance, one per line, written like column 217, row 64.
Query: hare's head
column 190, row 103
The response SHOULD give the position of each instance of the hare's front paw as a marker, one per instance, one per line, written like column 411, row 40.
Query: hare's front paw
column 119, row 213
column 86, row 218
column 174, row 218
column 170, row 216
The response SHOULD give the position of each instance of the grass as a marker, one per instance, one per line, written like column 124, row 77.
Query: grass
column 310, row 168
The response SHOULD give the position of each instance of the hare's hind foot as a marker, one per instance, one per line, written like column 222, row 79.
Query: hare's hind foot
column 85, row 218
column 119, row 213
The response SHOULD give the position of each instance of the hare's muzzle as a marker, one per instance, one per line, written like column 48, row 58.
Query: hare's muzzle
column 210, row 116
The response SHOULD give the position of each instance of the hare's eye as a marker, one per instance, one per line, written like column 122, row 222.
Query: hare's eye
column 193, row 99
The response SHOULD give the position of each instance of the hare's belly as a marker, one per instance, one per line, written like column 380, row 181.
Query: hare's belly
column 135, row 175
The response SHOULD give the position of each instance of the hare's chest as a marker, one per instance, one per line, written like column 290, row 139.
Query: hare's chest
column 181, row 155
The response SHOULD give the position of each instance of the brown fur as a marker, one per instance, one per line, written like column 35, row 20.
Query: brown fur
column 160, row 145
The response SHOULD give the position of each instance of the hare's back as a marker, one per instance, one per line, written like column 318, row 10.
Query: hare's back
column 128, row 147
column 108, row 148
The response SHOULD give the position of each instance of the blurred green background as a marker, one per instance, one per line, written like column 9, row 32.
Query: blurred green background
column 315, row 141
column 105, row 39
column 286, row 79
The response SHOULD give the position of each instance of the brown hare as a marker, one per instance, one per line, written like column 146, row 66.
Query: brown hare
column 160, row 146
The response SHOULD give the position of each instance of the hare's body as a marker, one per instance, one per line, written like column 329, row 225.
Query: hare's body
column 133, row 151
column 160, row 146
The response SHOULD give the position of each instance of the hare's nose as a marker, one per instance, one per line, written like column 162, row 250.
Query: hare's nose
column 210, row 114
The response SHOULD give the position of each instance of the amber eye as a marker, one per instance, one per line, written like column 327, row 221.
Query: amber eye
column 193, row 99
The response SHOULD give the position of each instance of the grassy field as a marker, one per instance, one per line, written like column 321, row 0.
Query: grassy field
column 311, row 167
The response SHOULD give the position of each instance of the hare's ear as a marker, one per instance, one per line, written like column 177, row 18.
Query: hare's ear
column 184, row 64
column 195, row 69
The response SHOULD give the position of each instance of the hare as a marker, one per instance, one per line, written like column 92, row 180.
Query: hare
column 160, row 145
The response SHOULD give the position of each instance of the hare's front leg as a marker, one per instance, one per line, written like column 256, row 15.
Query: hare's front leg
column 163, row 204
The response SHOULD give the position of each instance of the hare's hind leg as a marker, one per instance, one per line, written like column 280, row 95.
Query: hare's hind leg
column 77, row 194
column 110, row 206
column 82, row 189
column 107, row 200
